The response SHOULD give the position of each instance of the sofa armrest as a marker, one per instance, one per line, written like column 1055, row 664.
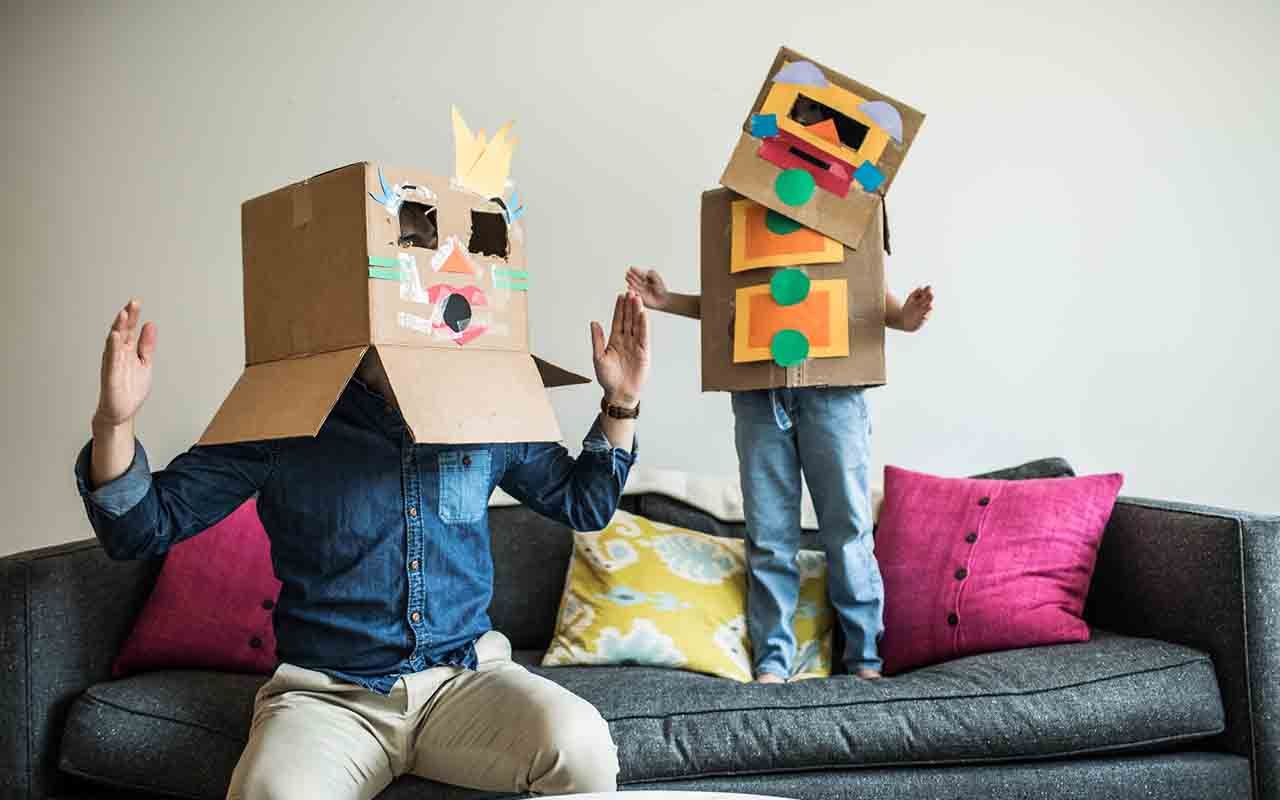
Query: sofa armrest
column 64, row 612
column 1208, row 578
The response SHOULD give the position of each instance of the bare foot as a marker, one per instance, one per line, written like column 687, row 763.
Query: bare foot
column 868, row 674
column 769, row 677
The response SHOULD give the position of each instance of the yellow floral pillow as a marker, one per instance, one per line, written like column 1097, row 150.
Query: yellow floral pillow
column 642, row 592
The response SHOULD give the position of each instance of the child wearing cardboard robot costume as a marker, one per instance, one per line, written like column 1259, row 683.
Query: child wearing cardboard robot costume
column 793, row 310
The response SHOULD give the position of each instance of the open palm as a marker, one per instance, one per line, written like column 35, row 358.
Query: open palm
column 126, row 366
column 622, row 363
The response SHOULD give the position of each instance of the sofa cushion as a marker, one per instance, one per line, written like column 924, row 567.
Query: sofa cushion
column 212, row 604
column 644, row 593
column 1111, row 694
column 972, row 566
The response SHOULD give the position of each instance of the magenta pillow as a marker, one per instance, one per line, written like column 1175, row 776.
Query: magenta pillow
column 211, row 605
column 972, row 566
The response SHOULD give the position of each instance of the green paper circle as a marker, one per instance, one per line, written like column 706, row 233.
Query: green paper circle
column 789, row 286
column 780, row 225
column 789, row 347
column 794, row 187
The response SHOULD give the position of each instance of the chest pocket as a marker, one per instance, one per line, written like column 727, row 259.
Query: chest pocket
column 464, row 485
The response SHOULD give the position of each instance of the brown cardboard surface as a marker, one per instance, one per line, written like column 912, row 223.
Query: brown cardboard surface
column 862, row 268
column 278, row 399
column 451, row 397
column 388, row 300
column 305, row 272
column 846, row 219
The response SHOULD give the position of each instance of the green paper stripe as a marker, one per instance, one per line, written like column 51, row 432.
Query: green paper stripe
column 385, row 273
column 519, row 286
column 379, row 261
column 511, row 273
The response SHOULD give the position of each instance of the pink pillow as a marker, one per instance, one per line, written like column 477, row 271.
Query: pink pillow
column 972, row 565
column 211, row 605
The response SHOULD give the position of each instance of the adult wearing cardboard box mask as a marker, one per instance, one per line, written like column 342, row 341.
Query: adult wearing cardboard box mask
column 381, row 544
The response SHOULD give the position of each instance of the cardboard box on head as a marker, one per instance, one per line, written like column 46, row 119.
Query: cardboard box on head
column 793, row 257
column 423, row 276
column 821, row 148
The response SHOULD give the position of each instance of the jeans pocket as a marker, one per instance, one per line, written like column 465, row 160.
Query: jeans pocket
column 464, row 485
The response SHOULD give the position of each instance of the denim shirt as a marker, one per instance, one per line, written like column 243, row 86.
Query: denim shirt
column 381, row 545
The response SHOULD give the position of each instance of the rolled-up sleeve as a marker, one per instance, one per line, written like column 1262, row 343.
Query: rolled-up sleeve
column 142, row 514
column 581, row 492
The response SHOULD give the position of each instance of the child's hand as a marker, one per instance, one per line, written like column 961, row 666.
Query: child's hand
column 915, row 311
column 650, row 286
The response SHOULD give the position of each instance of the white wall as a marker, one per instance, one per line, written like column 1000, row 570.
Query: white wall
column 1093, row 196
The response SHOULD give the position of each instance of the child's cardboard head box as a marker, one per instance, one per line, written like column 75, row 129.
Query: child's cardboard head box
column 425, row 276
column 793, row 257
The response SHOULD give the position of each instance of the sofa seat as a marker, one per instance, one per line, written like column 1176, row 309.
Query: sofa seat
column 1113, row 694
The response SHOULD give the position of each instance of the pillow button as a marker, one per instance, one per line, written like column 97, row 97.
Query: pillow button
column 953, row 620
column 268, row 604
column 255, row 643
column 971, row 537
column 982, row 501
column 961, row 574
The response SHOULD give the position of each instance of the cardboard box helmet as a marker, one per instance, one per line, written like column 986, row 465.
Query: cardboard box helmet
column 793, row 257
column 424, row 276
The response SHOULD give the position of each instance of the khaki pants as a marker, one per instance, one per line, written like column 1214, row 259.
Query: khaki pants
column 498, row 728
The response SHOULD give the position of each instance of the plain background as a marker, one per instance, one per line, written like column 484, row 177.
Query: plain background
column 1093, row 197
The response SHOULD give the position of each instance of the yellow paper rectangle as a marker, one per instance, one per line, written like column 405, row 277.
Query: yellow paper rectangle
column 831, row 252
column 838, row 321
column 782, row 96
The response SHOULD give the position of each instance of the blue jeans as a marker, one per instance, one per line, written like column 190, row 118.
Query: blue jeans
column 826, row 432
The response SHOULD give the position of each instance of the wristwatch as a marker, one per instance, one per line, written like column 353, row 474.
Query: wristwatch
column 618, row 412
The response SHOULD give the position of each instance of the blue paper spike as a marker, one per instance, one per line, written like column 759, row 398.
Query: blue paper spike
column 515, row 209
column 387, row 193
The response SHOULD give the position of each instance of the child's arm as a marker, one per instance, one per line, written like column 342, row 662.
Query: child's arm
column 653, row 291
column 911, row 315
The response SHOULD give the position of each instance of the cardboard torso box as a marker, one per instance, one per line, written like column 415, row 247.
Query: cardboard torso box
column 430, row 277
column 739, row 317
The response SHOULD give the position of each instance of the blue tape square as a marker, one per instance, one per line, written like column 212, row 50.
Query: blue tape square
column 869, row 176
column 764, row 125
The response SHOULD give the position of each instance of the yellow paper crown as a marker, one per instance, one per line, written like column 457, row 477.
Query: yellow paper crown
column 480, row 165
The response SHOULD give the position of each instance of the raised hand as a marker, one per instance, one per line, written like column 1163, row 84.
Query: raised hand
column 622, row 363
column 916, row 309
column 648, row 284
column 126, row 367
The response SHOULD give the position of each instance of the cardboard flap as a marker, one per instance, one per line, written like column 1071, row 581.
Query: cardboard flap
column 553, row 375
column 278, row 399
column 462, row 397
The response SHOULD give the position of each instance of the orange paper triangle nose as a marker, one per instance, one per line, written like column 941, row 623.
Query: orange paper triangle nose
column 825, row 130
column 456, row 262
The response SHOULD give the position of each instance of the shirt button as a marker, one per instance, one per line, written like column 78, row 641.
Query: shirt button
column 466, row 461
column 961, row 574
column 268, row 604
column 982, row 501
column 413, row 565
column 953, row 620
column 416, row 617
column 971, row 537
column 255, row 643
column 413, row 511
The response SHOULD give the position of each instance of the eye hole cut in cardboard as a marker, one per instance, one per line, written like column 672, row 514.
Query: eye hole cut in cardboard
column 827, row 123
column 489, row 234
column 418, row 226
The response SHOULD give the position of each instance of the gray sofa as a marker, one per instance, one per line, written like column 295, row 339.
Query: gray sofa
column 1173, row 698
